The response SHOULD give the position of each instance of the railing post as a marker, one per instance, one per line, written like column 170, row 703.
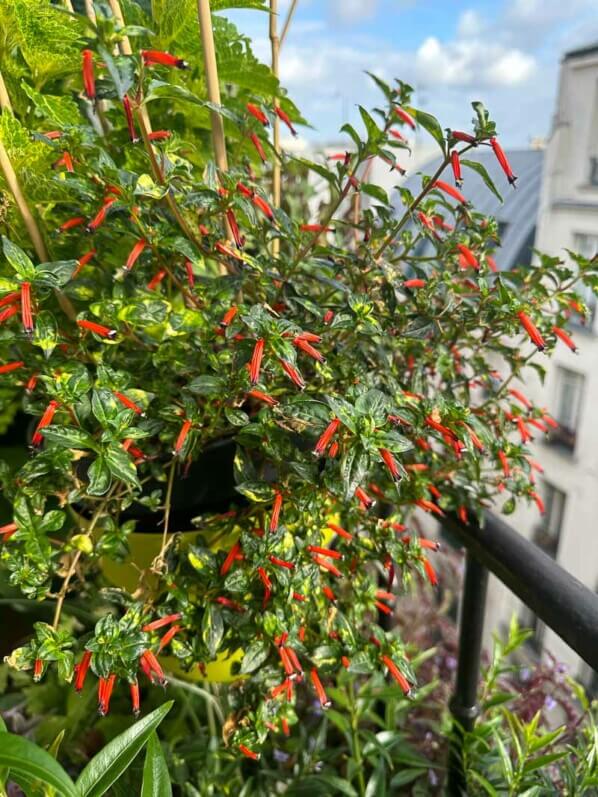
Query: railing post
column 464, row 706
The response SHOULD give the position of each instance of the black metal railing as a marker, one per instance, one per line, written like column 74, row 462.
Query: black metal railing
column 561, row 601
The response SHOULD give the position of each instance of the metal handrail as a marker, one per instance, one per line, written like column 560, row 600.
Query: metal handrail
column 562, row 602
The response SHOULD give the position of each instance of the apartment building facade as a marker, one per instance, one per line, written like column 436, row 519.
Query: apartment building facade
column 567, row 219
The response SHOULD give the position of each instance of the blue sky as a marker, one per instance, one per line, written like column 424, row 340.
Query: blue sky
column 503, row 52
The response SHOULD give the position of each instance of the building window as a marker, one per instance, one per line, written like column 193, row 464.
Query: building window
column 586, row 245
column 546, row 536
column 569, row 392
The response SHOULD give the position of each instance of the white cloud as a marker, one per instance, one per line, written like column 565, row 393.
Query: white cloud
column 470, row 23
column 471, row 61
column 351, row 11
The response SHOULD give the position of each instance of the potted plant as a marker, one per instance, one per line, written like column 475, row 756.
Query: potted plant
column 225, row 389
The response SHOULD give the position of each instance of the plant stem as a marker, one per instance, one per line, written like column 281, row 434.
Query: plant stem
column 355, row 738
column 197, row 690
column 287, row 23
column 167, row 508
column 276, row 171
column 75, row 561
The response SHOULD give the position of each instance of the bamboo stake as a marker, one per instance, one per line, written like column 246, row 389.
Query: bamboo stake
column 90, row 11
column 14, row 185
column 287, row 23
column 204, row 16
column 276, row 171
column 69, row 6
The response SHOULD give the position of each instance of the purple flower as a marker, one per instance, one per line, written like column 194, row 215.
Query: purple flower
column 451, row 662
column 281, row 756
column 549, row 702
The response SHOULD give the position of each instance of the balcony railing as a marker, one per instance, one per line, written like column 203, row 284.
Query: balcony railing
column 561, row 601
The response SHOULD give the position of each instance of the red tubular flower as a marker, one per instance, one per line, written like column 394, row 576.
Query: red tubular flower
column 404, row 116
column 10, row 298
column 44, row 421
column 156, row 279
column 258, row 146
column 506, row 468
column 448, row 189
column 502, row 159
column 398, row 135
column 523, row 430
column 539, row 502
column 129, row 403
column 567, row 340
column 430, row 545
column 293, row 374
column 287, row 663
column 468, row 256
column 492, row 264
column 306, row 347
column 538, row 424
column 319, row 228
column 228, row 317
column 382, row 607
column 262, row 205
column 328, row 316
column 429, row 506
column 53, row 135
column 328, row 593
column 322, row 697
column 325, row 552
column 230, row 604
column 8, row 367
column 66, row 161
column 134, row 254
column 38, row 669
column 265, row 579
column 7, row 531
column 532, row 331
column 190, row 274
column 230, row 558
column 105, row 689
column 159, row 135
column 249, row 753
column 414, row 283
column 263, row 397
column 83, row 261
column 346, row 662
column 129, row 117
column 223, row 249
column 277, row 506
column 258, row 114
column 88, row 75
column 97, row 329
column 161, row 622
column 521, row 398
column 458, row 135
column 154, row 666
column 234, row 228
column 397, row 674
column 69, row 224
column 462, row 515
column 333, row 450
column 430, row 572
column 8, row 312
column 364, row 499
column 81, row 670
column 168, row 637
column 391, row 464
column 26, row 312
column 326, row 437
column 256, row 361
column 299, row 597
column 456, row 164
column 100, row 216
column 135, row 699
column 477, row 443
column 323, row 563
column 285, row 119
column 340, row 531
column 180, row 441
column 160, row 58
column 550, row 421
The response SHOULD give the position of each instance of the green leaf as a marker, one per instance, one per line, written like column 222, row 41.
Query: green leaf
column 156, row 780
column 375, row 191
column 255, row 655
column 212, row 629
column 372, row 129
column 25, row 758
column 100, row 477
column 20, row 262
column 482, row 171
column 121, row 466
column 483, row 782
column 109, row 764
column 46, row 332
column 542, row 760
column 56, row 274
column 258, row 492
column 430, row 124
column 68, row 437
column 354, row 467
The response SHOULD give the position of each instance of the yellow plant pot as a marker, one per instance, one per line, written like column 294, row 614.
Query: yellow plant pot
column 143, row 550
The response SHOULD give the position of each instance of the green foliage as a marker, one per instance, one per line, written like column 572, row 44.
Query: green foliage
column 311, row 377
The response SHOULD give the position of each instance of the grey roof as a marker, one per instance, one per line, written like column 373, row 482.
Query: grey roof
column 517, row 214
column 580, row 52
